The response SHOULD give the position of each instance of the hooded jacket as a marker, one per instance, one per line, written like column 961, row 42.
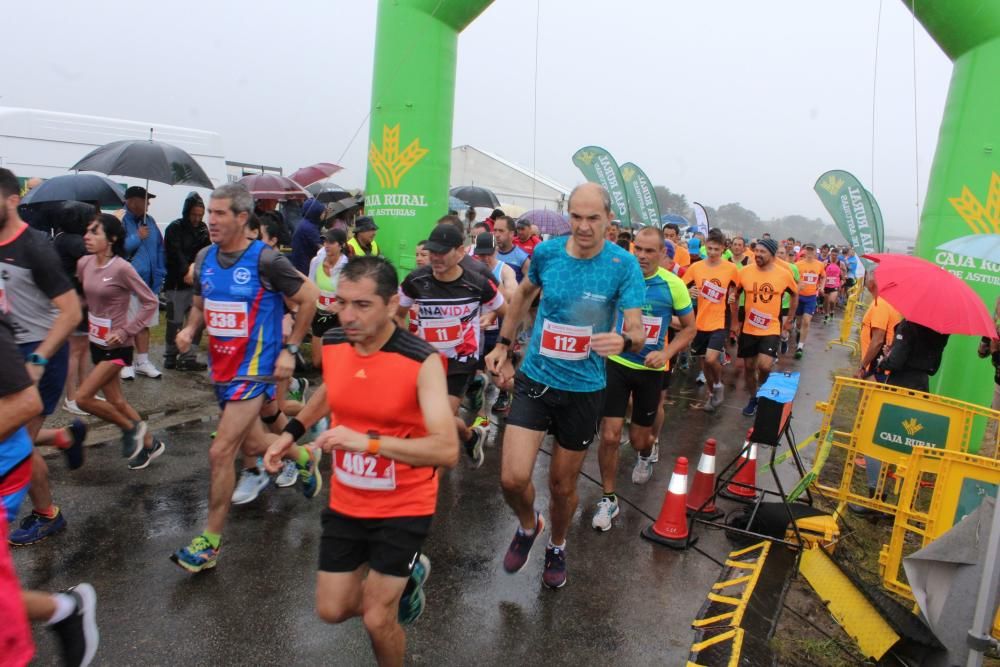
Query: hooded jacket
column 306, row 241
column 181, row 243
column 71, row 225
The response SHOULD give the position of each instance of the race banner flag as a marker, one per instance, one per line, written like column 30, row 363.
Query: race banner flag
column 599, row 167
column 701, row 218
column 879, row 226
column 641, row 198
column 849, row 205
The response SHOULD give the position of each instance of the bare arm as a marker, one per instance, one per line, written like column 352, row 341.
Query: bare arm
column 315, row 409
column 874, row 349
column 305, row 300
column 195, row 319
column 659, row 358
column 68, row 305
column 498, row 361
column 17, row 409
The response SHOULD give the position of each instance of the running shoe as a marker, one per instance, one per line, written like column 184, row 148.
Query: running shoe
column 784, row 344
column 297, row 389
column 480, row 422
column 474, row 446
column 132, row 440
column 148, row 369
column 718, row 394
column 411, row 604
column 191, row 365
column 312, row 478
column 708, row 405
column 520, row 547
column 78, row 634
column 197, row 556
column 654, row 454
column 35, row 528
column 502, row 405
column 74, row 409
column 799, row 352
column 251, row 482
column 74, row 452
column 751, row 409
column 146, row 456
column 288, row 476
column 474, row 394
column 607, row 509
column 554, row 575
column 127, row 373
column 643, row 469
column 701, row 378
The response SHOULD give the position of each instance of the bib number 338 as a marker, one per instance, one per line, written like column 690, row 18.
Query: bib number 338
column 227, row 319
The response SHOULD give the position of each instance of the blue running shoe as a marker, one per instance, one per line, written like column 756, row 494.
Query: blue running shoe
column 312, row 479
column 197, row 556
column 74, row 453
column 751, row 409
column 554, row 574
column 35, row 528
column 517, row 553
column 411, row 604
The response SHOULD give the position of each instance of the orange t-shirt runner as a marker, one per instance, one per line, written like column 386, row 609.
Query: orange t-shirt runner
column 763, row 291
column 378, row 393
column 712, row 283
column 880, row 315
column 810, row 272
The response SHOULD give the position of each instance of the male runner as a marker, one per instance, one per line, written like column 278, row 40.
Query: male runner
column 739, row 249
column 43, row 309
column 673, row 234
column 583, row 281
column 507, row 252
column 238, row 295
column 812, row 271
column 763, row 283
column 485, row 250
column 782, row 259
column 711, row 279
column 638, row 376
column 452, row 304
column 386, row 452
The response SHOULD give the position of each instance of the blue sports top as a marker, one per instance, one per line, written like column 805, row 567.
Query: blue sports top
column 579, row 298
column 666, row 296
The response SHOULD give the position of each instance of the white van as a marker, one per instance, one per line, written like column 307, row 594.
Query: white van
column 47, row 143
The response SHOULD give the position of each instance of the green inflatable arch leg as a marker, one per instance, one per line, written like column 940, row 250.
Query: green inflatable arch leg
column 413, row 100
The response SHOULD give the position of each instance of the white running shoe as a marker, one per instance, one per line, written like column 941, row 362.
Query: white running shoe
column 148, row 369
column 128, row 373
column 607, row 510
column 701, row 378
column 643, row 470
column 654, row 454
column 72, row 408
column 288, row 476
column 249, row 486
column 718, row 393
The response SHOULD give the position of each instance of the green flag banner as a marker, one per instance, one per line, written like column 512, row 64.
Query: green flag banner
column 879, row 226
column 848, row 203
column 599, row 167
column 641, row 198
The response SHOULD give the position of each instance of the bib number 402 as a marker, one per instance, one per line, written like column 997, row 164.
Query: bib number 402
column 359, row 464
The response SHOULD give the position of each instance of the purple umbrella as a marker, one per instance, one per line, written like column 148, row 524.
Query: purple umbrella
column 548, row 222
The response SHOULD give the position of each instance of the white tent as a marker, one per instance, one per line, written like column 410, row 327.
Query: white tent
column 511, row 183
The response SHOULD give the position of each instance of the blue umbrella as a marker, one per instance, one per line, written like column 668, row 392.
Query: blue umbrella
column 980, row 246
column 456, row 204
column 678, row 220
column 77, row 187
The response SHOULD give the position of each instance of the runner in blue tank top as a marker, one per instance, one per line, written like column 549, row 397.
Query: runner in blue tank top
column 582, row 280
column 238, row 295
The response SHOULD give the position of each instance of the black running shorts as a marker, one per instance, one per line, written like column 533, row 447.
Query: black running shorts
column 389, row 546
column 751, row 346
column 643, row 386
column 570, row 416
column 709, row 340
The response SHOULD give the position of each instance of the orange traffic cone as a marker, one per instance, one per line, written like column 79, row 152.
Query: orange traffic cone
column 742, row 485
column 671, row 528
column 703, row 486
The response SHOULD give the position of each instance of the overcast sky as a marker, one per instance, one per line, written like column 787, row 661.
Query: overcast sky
column 722, row 100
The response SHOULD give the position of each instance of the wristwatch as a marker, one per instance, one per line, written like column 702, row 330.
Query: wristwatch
column 374, row 442
column 292, row 348
column 37, row 359
column 627, row 342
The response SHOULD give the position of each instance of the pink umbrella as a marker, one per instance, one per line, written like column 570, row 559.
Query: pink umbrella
column 273, row 186
column 315, row 173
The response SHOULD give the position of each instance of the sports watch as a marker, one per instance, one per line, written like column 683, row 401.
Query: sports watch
column 292, row 348
column 37, row 359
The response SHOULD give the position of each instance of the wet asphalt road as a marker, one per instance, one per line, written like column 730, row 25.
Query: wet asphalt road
column 626, row 601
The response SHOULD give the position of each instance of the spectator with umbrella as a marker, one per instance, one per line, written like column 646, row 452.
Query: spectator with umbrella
column 144, row 250
column 184, row 237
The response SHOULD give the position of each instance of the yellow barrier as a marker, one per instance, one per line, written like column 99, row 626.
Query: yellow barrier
column 847, row 324
column 960, row 482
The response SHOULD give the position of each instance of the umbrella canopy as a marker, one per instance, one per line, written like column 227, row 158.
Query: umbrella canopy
column 330, row 196
column 456, row 204
column 926, row 294
column 473, row 195
column 548, row 222
column 980, row 246
column 512, row 210
column 152, row 160
column 77, row 187
column 343, row 204
column 324, row 186
column 314, row 173
column 273, row 186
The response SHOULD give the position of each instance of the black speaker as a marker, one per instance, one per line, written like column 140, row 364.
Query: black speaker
column 770, row 422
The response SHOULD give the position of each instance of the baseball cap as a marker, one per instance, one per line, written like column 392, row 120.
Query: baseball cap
column 809, row 246
column 486, row 244
column 138, row 191
column 444, row 238
column 523, row 222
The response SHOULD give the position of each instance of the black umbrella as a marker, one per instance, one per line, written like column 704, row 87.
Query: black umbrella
column 473, row 195
column 152, row 160
column 77, row 187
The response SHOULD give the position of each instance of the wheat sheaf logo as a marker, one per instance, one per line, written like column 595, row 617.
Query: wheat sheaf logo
column 628, row 173
column 389, row 164
column 832, row 184
column 586, row 157
column 912, row 426
column 980, row 219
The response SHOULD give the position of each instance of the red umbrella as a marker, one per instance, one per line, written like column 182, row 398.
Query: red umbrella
column 314, row 173
column 273, row 186
column 925, row 293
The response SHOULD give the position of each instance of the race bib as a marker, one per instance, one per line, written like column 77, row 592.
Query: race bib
column 564, row 341
column 759, row 319
column 226, row 319
column 327, row 300
column 810, row 278
column 712, row 292
column 414, row 320
column 99, row 329
column 652, row 326
column 832, row 281
column 365, row 471
column 444, row 333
